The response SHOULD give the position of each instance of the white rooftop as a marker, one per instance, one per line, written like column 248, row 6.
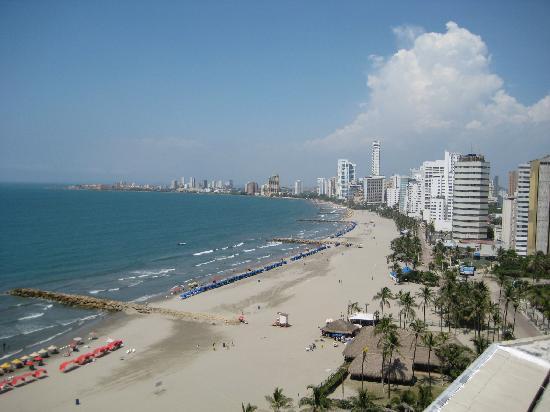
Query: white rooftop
column 508, row 376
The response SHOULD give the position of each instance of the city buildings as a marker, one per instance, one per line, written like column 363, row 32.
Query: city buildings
column 375, row 165
column 512, row 182
column 538, row 233
column 298, row 187
column 470, row 204
column 373, row 189
column 393, row 190
column 273, row 186
column 522, row 208
column 331, row 187
column 251, row 188
column 508, row 235
column 322, row 186
column 345, row 176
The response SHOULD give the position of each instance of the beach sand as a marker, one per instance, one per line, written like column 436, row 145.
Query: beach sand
column 169, row 371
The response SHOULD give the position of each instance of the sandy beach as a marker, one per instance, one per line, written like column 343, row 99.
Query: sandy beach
column 183, row 365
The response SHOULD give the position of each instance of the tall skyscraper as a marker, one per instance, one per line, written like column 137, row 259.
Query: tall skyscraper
column 375, row 165
column 373, row 190
column 345, row 175
column 522, row 207
column 471, row 189
column 512, row 182
column 538, row 230
column 192, row 183
column 322, row 186
column 251, row 188
column 508, row 223
column 298, row 187
column 331, row 187
column 273, row 186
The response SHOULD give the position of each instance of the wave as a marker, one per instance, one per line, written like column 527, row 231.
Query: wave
column 225, row 248
column 7, row 337
column 205, row 252
column 270, row 244
column 40, row 342
column 95, row 292
column 143, row 298
column 135, row 284
column 79, row 320
column 11, row 354
column 28, row 332
column 248, row 250
column 32, row 316
column 113, row 289
column 205, row 263
column 239, row 244
column 145, row 273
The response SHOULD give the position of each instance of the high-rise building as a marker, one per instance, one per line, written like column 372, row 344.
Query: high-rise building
column 321, row 186
column 522, row 207
column 392, row 190
column 403, row 184
column 538, row 231
column 471, row 190
column 251, row 188
column 273, row 186
column 298, row 187
column 205, row 184
column 345, row 176
column 373, row 189
column 449, row 179
column 375, row 165
column 512, row 182
column 508, row 223
column 432, row 174
column 331, row 187
column 192, row 183
column 413, row 198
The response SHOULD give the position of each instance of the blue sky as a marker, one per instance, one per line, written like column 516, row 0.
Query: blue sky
column 150, row 91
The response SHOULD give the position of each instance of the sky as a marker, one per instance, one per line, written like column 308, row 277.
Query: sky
column 149, row 91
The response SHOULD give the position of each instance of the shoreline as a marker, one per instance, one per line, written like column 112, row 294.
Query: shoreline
column 103, row 318
column 258, row 356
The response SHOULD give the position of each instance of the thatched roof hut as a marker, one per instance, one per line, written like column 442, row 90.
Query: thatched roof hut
column 340, row 327
column 366, row 337
column 400, row 370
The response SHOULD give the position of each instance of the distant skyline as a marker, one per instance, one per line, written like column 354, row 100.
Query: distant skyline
column 149, row 92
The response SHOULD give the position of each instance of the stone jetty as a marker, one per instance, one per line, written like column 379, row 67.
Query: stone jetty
column 108, row 305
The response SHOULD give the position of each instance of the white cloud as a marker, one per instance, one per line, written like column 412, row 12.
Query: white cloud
column 440, row 92
column 407, row 34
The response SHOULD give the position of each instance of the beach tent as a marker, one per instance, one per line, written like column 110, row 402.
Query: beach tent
column 363, row 319
column 6, row 367
column 34, row 355
column 24, row 359
column 77, row 340
column 339, row 328
column 67, row 366
column 53, row 349
column 44, row 353
column 17, row 363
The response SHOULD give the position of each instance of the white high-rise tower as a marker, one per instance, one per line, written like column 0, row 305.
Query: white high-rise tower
column 375, row 168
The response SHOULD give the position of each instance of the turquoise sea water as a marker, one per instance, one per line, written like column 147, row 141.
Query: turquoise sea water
column 126, row 246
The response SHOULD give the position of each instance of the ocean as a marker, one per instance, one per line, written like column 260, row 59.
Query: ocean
column 129, row 246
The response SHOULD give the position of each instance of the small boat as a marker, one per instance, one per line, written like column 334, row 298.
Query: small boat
column 181, row 243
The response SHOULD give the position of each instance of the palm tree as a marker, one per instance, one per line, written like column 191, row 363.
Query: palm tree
column 430, row 342
column 408, row 305
column 508, row 297
column 480, row 344
column 426, row 296
column 384, row 296
column 365, row 350
column 362, row 402
column 391, row 345
column 418, row 327
column 248, row 407
column 278, row 400
column 353, row 308
column 318, row 401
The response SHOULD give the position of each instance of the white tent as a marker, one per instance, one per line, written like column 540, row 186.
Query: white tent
column 363, row 319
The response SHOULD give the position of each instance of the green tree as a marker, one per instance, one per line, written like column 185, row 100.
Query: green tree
column 418, row 328
column 278, row 401
column 362, row 402
column 426, row 296
column 248, row 407
column 384, row 296
column 430, row 341
column 317, row 402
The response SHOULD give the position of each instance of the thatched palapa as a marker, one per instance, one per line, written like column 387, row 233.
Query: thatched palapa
column 400, row 370
column 340, row 327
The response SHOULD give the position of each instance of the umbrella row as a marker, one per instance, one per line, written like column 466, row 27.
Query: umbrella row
column 345, row 230
column 216, row 284
column 28, row 360
column 20, row 380
column 88, row 357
